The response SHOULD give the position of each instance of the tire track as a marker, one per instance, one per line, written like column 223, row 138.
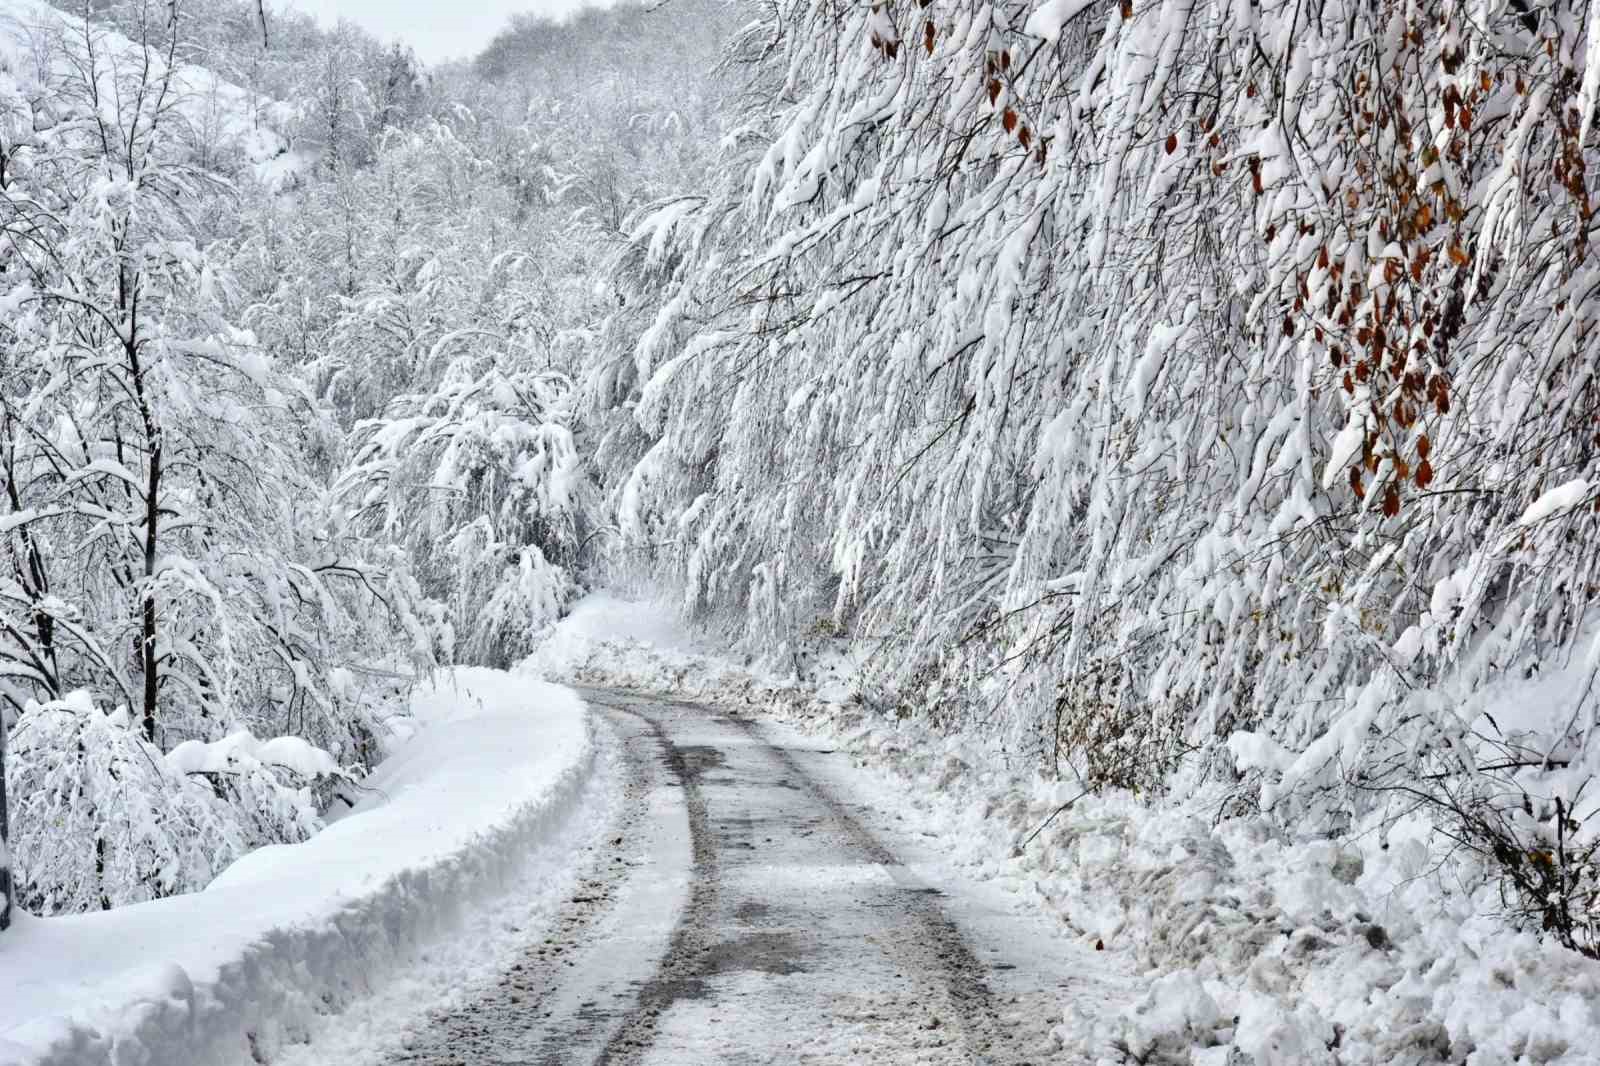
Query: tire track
column 695, row 955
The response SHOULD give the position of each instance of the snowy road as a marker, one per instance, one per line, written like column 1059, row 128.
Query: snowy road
column 743, row 912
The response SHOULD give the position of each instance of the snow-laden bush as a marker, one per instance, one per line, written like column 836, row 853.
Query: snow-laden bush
column 101, row 817
column 481, row 483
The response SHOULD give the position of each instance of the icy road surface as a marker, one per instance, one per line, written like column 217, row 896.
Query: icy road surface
column 743, row 910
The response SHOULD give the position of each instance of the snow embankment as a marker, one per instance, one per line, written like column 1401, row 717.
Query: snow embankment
column 1260, row 944
column 288, row 935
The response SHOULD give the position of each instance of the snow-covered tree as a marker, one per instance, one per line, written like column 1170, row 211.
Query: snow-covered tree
column 165, row 543
column 1152, row 375
column 480, row 482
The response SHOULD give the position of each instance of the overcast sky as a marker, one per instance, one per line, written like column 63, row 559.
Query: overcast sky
column 437, row 29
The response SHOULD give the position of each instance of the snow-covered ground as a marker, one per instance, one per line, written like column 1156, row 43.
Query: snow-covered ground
column 492, row 792
column 1253, row 946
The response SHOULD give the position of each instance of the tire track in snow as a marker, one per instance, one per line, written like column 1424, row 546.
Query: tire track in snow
column 739, row 913
column 693, row 957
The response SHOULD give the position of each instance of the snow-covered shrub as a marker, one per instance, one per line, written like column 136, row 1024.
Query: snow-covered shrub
column 481, row 483
column 103, row 818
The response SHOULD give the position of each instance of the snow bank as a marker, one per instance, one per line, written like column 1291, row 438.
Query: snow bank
column 615, row 642
column 1260, row 947
column 229, row 975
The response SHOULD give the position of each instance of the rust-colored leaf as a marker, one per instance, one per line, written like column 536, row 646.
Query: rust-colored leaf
column 1391, row 501
column 1009, row 120
column 928, row 35
column 1355, row 483
column 994, row 90
column 1458, row 256
column 1172, row 143
column 1424, row 446
column 1127, row 10
column 1024, row 137
column 1424, row 474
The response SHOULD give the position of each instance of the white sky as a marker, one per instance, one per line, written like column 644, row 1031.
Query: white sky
column 437, row 29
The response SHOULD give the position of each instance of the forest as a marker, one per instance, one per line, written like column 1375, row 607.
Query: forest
column 1177, row 394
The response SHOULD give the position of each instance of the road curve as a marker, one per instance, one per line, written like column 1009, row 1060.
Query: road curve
column 741, row 913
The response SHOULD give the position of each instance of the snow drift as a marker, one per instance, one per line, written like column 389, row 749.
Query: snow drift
column 495, row 767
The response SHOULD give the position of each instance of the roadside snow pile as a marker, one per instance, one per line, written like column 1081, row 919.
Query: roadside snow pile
column 1260, row 948
column 497, row 765
column 639, row 644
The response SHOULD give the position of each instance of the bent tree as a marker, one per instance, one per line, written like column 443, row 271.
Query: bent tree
column 1155, row 375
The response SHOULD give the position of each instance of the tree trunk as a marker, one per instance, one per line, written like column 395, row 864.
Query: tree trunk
column 148, row 621
column 6, row 890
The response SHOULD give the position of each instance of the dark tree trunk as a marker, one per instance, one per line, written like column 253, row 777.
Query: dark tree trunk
column 148, row 619
column 6, row 891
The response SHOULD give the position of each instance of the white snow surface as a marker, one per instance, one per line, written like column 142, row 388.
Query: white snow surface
column 1561, row 498
column 1049, row 17
column 499, row 767
column 1254, row 946
column 290, row 753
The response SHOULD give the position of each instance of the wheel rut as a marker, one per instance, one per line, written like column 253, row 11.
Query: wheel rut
column 738, row 913
column 700, row 952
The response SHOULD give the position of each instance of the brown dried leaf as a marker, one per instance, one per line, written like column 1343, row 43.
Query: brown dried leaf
column 1391, row 502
